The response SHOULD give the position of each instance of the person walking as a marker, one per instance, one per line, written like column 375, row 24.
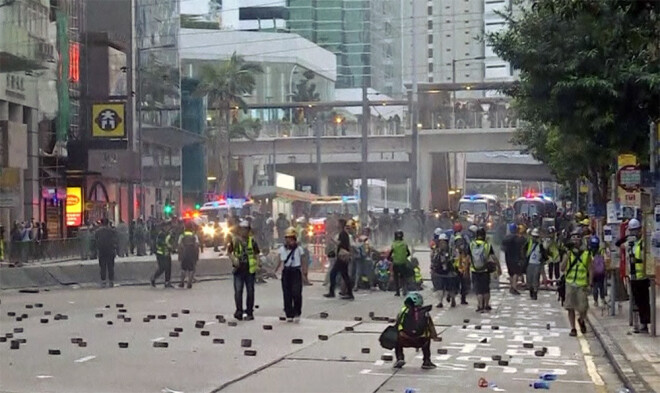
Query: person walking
column 188, row 245
column 341, row 263
column 399, row 254
column 513, row 246
column 163, row 244
column 243, row 252
column 598, row 269
column 483, row 263
column 536, row 255
column 576, row 267
column 106, row 245
column 444, row 273
column 294, row 266
column 639, row 282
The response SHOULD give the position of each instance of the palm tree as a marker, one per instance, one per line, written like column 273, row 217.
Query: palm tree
column 225, row 84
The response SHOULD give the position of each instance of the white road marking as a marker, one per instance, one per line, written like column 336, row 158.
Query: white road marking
column 210, row 323
column 44, row 376
column 157, row 339
column 168, row 390
column 365, row 371
column 379, row 363
column 557, row 380
column 85, row 359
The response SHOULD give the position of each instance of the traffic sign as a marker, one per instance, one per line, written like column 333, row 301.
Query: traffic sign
column 629, row 177
column 108, row 120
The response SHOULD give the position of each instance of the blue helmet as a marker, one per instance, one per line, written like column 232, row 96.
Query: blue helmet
column 594, row 242
column 513, row 228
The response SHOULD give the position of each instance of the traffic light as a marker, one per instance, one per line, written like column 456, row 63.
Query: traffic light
column 167, row 208
column 197, row 206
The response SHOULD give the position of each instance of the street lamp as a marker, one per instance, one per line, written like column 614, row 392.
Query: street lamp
column 453, row 81
column 139, row 113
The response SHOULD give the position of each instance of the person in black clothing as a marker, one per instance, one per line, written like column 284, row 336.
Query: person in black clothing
column 106, row 243
column 513, row 245
column 341, row 265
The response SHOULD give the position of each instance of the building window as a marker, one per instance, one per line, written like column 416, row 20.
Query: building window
column 430, row 79
column 430, row 38
column 430, row 10
column 430, row 67
column 430, row 56
column 429, row 25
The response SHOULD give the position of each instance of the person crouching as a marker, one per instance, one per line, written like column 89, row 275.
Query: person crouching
column 416, row 330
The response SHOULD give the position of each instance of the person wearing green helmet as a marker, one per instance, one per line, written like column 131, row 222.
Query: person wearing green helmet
column 415, row 330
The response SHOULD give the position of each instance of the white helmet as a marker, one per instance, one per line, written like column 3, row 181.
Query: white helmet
column 473, row 228
column 300, row 220
column 536, row 232
column 438, row 231
column 634, row 224
column 443, row 236
column 244, row 224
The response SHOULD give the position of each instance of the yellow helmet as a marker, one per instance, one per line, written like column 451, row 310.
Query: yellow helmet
column 585, row 222
column 579, row 216
column 522, row 229
column 291, row 232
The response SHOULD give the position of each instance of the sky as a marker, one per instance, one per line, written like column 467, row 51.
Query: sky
column 194, row 6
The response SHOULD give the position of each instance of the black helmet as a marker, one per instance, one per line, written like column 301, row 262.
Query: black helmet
column 481, row 233
column 398, row 235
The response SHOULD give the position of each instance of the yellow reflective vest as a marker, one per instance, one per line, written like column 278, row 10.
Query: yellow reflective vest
column 637, row 271
column 577, row 271
column 252, row 259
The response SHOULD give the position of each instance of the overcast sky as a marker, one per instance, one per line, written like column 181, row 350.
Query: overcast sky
column 194, row 6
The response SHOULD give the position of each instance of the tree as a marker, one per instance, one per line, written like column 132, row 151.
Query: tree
column 225, row 84
column 306, row 92
column 589, row 82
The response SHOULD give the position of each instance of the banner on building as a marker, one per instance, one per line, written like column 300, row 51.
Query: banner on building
column 74, row 206
column 108, row 120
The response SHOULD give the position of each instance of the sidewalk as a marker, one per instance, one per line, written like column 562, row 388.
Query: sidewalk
column 128, row 270
column 635, row 357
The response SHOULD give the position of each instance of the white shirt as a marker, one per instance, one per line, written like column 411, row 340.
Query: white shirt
column 296, row 257
column 535, row 256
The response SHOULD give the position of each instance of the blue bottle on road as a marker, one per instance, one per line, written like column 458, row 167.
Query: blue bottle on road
column 548, row 377
column 540, row 385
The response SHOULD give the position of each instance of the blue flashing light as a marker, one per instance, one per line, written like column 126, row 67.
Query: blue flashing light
column 348, row 198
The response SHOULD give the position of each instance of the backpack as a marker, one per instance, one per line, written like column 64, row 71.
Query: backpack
column 599, row 266
column 415, row 321
column 189, row 249
column 478, row 251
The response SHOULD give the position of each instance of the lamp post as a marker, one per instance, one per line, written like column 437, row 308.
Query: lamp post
column 139, row 112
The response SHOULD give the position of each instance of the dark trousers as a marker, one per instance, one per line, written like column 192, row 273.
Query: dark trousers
column 413, row 342
column 107, row 265
column 464, row 280
column 599, row 288
column 553, row 271
column 640, row 292
column 340, row 267
column 292, row 291
column 244, row 280
column 400, row 277
column 164, row 265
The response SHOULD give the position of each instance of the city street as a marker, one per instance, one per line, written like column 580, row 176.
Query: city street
column 197, row 361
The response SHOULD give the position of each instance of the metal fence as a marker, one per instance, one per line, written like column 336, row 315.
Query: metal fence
column 46, row 250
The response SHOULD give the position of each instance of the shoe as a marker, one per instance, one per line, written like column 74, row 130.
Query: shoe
column 153, row 282
column 103, row 284
column 479, row 309
column 348, row 297
column 463, row 301
column 453, row 303
column 181, row 284
column 428, row 365
column 573, row 333
column 290, row 320
column 448, row 298
column 397, row 294
column 488, row 308
column 111, row 284
column 238, row 315
column 168, row 285
column 249, row 317
column 329, row 295
column 514, row 292
column 644, row 329
column 399, row 364
column 583, row 325
column 189, row 286
column 439, row 305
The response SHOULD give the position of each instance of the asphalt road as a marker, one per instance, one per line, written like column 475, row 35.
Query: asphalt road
column 192, row 362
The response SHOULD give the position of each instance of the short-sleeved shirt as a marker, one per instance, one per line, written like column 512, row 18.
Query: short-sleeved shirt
column 294, row 261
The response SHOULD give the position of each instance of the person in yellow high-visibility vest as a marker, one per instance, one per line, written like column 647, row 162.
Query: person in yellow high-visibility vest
column 243, row 252
column 577, row 271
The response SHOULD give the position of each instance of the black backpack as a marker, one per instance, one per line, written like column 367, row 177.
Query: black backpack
column 189, row 249
column 416, row 321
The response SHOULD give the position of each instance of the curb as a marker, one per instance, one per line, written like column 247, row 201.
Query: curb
column 623, row 367
column 126, row 272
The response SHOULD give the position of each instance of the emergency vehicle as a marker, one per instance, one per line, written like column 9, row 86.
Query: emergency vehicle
column 532, row 204
column 480, row 209
column 219, row 211
column 346, row 206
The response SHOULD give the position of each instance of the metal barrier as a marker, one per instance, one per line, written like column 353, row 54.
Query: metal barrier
column 46, row 250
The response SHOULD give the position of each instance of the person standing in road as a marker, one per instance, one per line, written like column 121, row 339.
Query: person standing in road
column 536, row 255
column 576, row 267
column 294, row 266
column 243, row 252
column 106, row 244
column 555, row 251
column 513, row 246
column 639, row 282
column 188, row 254
column 483, row 263
column 399, row 254
column 342, row 262
column 163, row 254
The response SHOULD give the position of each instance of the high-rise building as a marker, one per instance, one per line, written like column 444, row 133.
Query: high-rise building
column 342, row 27
column 386, row 59
column 247, row 15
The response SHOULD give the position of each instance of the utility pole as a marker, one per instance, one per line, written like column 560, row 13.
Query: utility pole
column 653, row 135
column 414, row 140
column 364, row 186
column 319, row 175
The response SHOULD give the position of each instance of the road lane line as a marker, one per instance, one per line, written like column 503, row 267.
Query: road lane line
column 44, row 376
column 592, row 370
column 85, row 359
column 157, row 339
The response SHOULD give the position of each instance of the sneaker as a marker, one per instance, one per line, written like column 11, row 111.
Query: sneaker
column 583, row 325
column 249, row 317
column 290, row 320
column 573, row 333
column 397, row 294
column 488, row 308
column 103, row 284
column 453, row 302
column 448, row 298
column 181, row 284
column 479, row 309
column 168, row 285
column 439, row 305
column 428, row 365
column 189, row 286
column 329, row 295
column 644, row 329
column 111, row 284
column 514, row 292
column 238, row 315
column 348, row 297
column 153, row 282
column 399, row 364
column 464, row 302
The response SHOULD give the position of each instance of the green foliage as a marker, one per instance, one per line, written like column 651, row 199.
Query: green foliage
column 589, row 81
column 245, row 128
